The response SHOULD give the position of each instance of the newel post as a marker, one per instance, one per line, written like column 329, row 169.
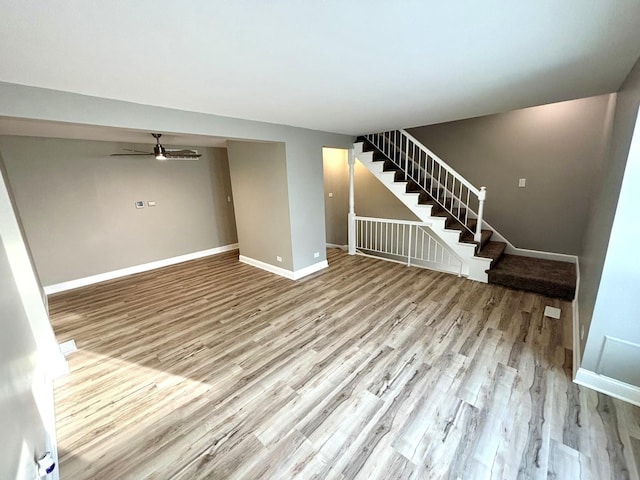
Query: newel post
column 352, row 213
column 481, row 198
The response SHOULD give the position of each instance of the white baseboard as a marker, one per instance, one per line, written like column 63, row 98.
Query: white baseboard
column 283, row 272
column 123, row 272
column 523, row 252
column 303, row 272
column 610, row 386
column 335, row 245
column 577, row 342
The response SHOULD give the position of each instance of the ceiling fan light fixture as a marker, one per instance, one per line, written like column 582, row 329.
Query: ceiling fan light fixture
column 158, row 151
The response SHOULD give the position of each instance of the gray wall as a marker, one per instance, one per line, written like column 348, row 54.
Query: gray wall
column 558, row 148
column 613, row 316
column 77, row 205
column 259, row 179
column 306, row 198
column 303, row 146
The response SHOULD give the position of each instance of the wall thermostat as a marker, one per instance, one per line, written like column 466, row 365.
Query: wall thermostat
column 140, row 204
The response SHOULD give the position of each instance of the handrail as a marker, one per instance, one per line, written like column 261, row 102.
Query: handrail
column 391, row 239
column 468, row 184
column 452, row 191
column 391, row 220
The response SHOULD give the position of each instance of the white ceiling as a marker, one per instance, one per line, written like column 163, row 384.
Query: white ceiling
column 343, row 66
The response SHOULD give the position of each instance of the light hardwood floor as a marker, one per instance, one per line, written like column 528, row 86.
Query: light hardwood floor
column 368, row 369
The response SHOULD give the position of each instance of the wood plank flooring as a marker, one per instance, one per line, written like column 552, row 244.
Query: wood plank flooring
column 370, row 370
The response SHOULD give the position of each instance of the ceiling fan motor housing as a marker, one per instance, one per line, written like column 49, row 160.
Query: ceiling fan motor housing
column 159, row 151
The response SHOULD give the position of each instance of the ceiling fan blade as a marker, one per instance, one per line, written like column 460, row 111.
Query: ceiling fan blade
column 129, row 154
column 160, row 152
column 181, row 152
column 190, row 154
column 136, row 151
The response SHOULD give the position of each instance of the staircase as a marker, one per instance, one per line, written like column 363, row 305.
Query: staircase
column 437, row 194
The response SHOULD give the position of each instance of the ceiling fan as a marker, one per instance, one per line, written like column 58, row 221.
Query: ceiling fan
column 161, row 153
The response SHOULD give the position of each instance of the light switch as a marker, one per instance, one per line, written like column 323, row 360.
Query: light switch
column 522, row 183
column 151, row 203
column 330, row 194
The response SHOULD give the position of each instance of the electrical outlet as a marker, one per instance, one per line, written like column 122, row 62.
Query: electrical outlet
column 279, row 258
column 228, row 198
column 330, row 195
column 316, row 255
column 522, row 182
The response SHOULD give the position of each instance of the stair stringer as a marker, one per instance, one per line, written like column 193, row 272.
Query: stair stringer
column 473, row 267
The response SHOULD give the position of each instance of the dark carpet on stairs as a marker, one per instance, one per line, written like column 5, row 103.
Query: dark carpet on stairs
column 547, row 277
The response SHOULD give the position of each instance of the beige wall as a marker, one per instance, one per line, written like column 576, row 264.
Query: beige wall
column 259, row 179
column 336, row 184
column 558, row 148
column 77, row 205
column 373, row 199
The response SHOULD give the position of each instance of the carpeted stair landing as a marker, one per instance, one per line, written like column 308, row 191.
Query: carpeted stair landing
column 547, row 277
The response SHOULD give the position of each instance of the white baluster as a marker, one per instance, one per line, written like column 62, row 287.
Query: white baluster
column 352, row 213
column 481, row 198
column 406, row 154
column 409, row 246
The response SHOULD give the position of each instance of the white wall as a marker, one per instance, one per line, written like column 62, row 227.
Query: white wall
column 29, row 354
column 604, row 202
column 613, row 347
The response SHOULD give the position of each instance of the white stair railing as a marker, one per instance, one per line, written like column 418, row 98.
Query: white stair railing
column 447, row 187
column 406, row 241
